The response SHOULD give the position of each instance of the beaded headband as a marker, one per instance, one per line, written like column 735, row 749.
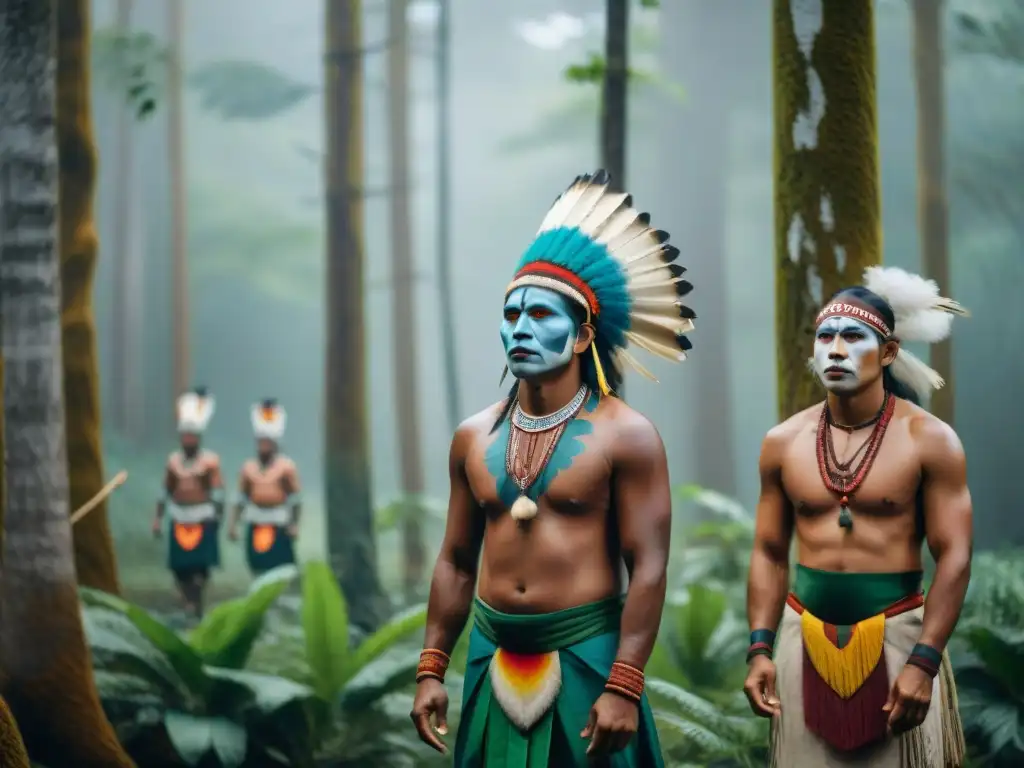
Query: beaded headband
column 543, row 274
column 855, row 311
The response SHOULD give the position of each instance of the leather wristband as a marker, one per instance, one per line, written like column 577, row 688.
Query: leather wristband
column 626, row 680
column 433, row 663
column 926, row 658
column 762, row 643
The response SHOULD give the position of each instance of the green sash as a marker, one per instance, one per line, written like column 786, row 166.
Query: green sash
column 842, row 598
column 586, row 638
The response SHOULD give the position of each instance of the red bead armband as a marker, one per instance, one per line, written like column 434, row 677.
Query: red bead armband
column 626, row 680
column 433, row 663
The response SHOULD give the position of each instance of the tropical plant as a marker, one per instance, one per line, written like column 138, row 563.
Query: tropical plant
column 190, row 702
column 133, row 63
column 716, row 548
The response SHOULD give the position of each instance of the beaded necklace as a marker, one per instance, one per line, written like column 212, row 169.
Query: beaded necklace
column 838, row 476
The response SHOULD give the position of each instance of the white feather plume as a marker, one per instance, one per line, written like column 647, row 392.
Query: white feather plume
column 921, row 313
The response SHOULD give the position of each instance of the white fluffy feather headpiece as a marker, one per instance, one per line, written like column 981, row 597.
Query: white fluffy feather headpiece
column 921, row 315
column 268, row 420
column 195, row 409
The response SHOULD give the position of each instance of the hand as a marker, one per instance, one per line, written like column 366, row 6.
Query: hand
column 157, row 528
column 909, row 699
column 431, row 699
column 760, row 687
column 293, row 530
column 614, row 720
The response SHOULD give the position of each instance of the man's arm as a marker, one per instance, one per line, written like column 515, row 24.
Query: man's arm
column 168, row 491
column 948, row 528
column 294, row 490
column 768, row 579
column 643, row 502
column 215, row 485
column 454, row 579
column 244, row 490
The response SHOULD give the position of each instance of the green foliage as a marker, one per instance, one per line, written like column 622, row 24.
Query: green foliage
column 716, row 549
column 990, row 29
column 247, row 90
column 391, row 515
column 172, row 708
column 132, row 63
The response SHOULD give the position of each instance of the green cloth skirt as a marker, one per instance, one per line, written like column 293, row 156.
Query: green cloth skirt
column 586, row 640
column 280, row 552
column 192, row 546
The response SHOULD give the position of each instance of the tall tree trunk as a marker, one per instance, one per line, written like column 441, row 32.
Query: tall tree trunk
column 403, row 305
column 47, row 669
column 121, row 372
column 615, row 91
column 444, row 215
column 351, row 540
column 12, row 746
column 932, row 201
column 179, row 222
column 827, row 207
column 703, row 34
column 95, row 560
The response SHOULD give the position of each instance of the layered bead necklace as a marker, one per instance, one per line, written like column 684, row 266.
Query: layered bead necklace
column 532, row 431
column 841, row 477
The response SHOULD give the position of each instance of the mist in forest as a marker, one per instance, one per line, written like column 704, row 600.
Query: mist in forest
column 700, row 160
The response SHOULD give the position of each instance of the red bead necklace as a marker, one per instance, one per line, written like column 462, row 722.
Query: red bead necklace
column 841, row 479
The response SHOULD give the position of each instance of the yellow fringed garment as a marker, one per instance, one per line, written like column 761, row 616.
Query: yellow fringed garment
column 844, row 669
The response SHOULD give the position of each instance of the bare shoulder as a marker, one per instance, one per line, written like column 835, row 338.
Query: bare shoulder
column 287, row 462
column 632, row 433
column 936, row 441
column 210, row 460
column 249, row 467
column 476, row 426
column 781, row 435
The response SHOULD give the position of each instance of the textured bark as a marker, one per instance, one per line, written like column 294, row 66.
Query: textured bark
column 615, row 92
column 932, row 200
column 95, row 560
column 403, row 305
column 351, row 542
column 827, row 207
column 47, row 669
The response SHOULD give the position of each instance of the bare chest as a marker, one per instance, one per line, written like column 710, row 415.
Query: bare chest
column 889, row 488
column 571, row 477
column 268, row 485
column 190, row 476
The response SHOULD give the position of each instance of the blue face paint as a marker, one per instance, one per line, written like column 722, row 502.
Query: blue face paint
column 538, row 330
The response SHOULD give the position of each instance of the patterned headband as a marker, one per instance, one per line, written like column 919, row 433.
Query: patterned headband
column 855, row 311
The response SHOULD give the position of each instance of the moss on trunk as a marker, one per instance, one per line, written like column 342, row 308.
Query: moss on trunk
column 94, row 548
column 827, row 201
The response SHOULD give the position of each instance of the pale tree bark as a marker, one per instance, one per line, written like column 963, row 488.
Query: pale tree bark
column 178, row 191
column 827, row 204
column 95, row 561
column 351, row 541
column 47, row 671
column 403, row 304
column 932, row 198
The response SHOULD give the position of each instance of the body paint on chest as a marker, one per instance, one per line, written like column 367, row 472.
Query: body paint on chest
column 569, row 447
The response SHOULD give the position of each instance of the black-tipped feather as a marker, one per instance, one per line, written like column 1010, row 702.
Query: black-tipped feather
column 684, row 343
column 677, row 270
column 669, row 253
column 683, row 287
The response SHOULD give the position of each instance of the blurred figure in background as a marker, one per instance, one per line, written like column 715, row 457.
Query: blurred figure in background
column 193, row 499
column 269, row 494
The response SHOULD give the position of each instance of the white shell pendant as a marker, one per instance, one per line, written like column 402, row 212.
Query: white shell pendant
column 524, row 508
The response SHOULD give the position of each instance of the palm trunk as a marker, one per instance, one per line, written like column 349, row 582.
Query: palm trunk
column 827, row 214
column 95, row 560
column 47, row 669
column 179, row 223
column 932, row 201
column 444, row 214
column 614, row 92
column 351, row 541
column 403, row 303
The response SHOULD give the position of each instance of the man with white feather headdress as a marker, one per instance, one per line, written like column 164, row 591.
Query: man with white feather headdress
column 193, row 499
column 852, row 665
column 551, row 490
column 269, row 500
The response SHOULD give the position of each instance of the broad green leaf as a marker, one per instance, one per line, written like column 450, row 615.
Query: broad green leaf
column 325, row 623
column 189, row 735
column 387, row 674
column 185, row 661
column 266, row 693
column 397, row 629
column 283, row 574
column 247, row 90
column 1001, row 650
column 226, row 635
column 230, row 742
column 697, row 621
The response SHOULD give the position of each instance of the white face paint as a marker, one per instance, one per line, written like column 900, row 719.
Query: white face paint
column 841, row 345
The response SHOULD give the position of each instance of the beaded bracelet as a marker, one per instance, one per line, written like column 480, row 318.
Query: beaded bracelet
column 762, row 641
column 433, row 663
column 626, row 680
column 927, row 658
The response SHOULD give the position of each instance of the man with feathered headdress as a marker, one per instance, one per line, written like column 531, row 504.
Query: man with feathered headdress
column 193, row 499
column 551, row 490
column 269, row 494
column 852, row 665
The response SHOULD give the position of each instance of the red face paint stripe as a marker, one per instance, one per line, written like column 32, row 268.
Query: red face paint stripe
column 566, row 276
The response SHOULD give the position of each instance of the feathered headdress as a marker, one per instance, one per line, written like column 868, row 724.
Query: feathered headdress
column 596, row 249
column 268, row 420
column 195, row 409
column 921, row 315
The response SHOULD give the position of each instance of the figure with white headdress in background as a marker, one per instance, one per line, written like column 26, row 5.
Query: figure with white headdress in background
column 851, row 665
column 193, row 500
column 269, row 501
